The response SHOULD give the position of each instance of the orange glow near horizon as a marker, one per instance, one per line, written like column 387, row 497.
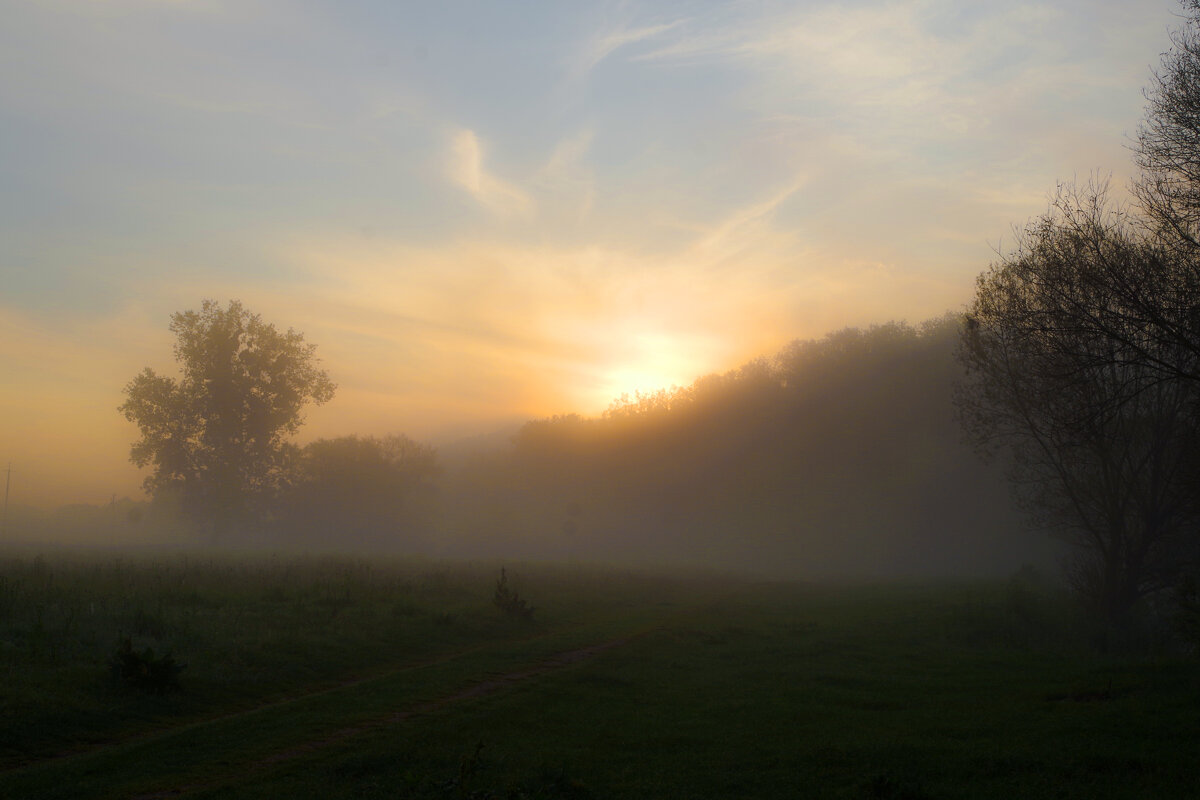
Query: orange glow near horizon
column 590, row 206
column 642, row 363
column 417, row 359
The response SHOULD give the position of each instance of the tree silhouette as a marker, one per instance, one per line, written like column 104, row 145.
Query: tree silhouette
column 216, row 436
column 1084, row 352
column 360, row 490
column 1065, row 373
column 837, row 456
column 1168, row 148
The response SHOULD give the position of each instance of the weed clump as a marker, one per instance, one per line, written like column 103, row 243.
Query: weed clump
column 509, row 601
column 144, row 671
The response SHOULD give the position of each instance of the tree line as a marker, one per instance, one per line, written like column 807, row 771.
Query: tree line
column 834, row 456
column 217, row 439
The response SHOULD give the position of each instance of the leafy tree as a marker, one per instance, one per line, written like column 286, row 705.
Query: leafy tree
column 359, row 489
column 1065, row 372
column 217, row 436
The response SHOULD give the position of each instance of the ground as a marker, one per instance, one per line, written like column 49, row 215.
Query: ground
column 345, row 678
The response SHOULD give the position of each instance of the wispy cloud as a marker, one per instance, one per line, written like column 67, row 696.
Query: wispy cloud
column 897, row 75
column 567, row 178
column 743, row 229
column 605, row 43
column 467, row 170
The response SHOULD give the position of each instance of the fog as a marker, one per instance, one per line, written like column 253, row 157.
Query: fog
column 834, row 457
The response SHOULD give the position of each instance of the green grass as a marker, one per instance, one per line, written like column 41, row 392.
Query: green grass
column 719, row 689
column 249, row 631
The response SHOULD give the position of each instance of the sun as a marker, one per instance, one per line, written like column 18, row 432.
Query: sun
column 643, row 363
column 635, row 380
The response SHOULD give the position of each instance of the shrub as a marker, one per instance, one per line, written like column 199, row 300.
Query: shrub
column 509, row 601
column 144, row 670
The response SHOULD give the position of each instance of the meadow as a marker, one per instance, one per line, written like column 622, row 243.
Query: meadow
column 336, row 676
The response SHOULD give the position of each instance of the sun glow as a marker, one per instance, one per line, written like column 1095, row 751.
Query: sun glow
column 644, row 363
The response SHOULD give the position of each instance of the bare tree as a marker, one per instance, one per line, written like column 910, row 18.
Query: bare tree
column 1168, row 146
column 1068, row 374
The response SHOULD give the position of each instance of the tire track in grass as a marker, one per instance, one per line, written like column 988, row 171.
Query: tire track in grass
column 483, row 688
column 80, row 767
column 337, row 685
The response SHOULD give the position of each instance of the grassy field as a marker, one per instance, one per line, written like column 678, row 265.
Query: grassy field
column 336, row 677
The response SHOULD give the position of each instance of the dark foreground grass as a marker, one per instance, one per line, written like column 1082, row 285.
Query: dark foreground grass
column 716, row 690
column 788, row 692
column 250, row 630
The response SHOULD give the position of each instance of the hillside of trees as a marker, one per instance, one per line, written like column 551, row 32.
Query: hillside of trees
column 838, row 456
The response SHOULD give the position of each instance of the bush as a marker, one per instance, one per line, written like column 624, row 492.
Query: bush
column 144, row 670
column 509, row 601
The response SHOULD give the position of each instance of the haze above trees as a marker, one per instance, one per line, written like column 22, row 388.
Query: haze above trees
column 835, row 456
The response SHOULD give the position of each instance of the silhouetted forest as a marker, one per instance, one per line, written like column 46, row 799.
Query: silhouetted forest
column 835, row 456
column 840, row 456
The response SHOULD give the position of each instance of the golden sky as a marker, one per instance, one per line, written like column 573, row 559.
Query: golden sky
column 482, row 216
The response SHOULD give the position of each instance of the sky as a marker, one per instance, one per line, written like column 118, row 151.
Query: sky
column 488, row 212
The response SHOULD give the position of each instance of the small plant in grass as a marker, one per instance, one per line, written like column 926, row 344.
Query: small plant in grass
column 144, row 670
column 509, row 601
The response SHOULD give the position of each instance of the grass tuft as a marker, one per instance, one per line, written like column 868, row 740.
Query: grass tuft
column 509, row 601
column 144, row 671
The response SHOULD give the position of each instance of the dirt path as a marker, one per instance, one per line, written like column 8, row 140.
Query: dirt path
column 490, row 685
column 338, row 685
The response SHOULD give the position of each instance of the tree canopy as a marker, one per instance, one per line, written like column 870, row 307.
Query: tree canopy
column 216, row 436
column 359, row 490
column 836, row 456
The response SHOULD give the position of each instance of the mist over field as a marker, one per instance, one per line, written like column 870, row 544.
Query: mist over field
column 840, row 456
